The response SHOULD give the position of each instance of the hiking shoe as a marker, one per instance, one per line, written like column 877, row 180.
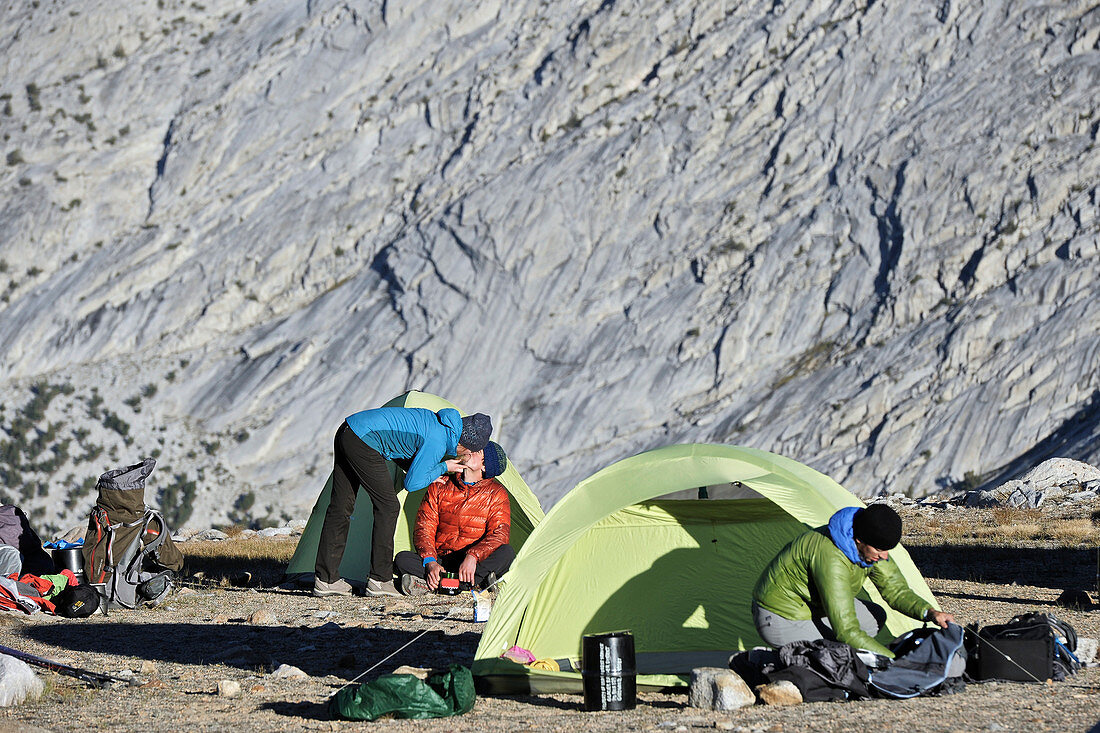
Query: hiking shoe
column 380, row 588
column 338, row 587
column 413, row 586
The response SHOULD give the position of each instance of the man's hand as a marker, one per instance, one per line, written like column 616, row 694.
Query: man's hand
column 434, row 569
column 454, row 465
column 940, row 618
column 466, row 569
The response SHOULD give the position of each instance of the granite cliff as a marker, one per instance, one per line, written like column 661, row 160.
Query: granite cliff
column 861, row 234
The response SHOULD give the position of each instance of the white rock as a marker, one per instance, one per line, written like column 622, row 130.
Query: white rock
column 717, row 688
column 288, row 672
column 229, row 688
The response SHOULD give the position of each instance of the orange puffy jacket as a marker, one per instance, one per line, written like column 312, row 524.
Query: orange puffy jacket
column 456, row 516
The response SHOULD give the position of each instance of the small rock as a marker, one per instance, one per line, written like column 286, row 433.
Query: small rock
column 324, row 606
column 147, row 667
column 421, row 673
column 275, row 532
column 296, row 524
column 187, row 592
column 211, row 534
column 221, row 618
column 262, row 617
column 325, row 614
column 229, row 688
column 288, row 672
column 782, row 692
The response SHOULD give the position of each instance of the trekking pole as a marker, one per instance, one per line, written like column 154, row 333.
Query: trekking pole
column 97, row 679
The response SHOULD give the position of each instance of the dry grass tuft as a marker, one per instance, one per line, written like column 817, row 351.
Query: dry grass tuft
column 1009, row 532
column 248, row 549
column 219, row 562
column 1073, row 531
column 1015, row 515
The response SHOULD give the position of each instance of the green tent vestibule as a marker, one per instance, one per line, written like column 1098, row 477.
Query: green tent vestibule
column 636, row 547
column 355, row 567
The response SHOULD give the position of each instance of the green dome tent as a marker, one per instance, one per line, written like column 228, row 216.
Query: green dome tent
column 526, row 513
column 667, row 544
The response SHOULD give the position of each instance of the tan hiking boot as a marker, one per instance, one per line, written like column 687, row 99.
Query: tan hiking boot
column 338, row 587
column 381, row 588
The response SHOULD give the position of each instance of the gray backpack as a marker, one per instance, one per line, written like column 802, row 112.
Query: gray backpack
column 128, row 547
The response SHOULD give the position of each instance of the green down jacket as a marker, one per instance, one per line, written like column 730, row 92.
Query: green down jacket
column 811, row 578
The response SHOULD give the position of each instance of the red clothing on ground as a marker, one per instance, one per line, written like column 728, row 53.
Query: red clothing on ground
column 459, row 516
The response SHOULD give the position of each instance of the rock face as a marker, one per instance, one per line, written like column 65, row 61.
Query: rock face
column 1056, row 478
column 865, row 237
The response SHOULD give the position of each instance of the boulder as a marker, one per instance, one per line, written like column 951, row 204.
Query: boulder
column 716, row 688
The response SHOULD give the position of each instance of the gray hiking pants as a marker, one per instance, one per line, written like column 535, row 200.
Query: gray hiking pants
column 776, row 630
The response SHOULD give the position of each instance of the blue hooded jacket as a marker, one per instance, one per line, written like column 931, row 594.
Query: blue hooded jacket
column 414, row 433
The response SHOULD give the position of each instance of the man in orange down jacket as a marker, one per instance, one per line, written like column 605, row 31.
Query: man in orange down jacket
column 462, row 527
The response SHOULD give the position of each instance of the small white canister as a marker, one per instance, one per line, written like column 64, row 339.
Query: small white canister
column 482, row 606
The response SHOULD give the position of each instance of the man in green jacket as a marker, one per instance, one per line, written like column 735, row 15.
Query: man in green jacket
column 809, row 590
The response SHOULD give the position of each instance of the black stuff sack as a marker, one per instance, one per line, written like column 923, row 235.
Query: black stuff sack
column 77, row 601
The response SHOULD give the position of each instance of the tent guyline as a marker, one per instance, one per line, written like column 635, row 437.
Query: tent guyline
column 406, row 645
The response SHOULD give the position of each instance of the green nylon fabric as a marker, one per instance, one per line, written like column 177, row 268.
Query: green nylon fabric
column 405, row 696
column 678, row 574
column 355, row 565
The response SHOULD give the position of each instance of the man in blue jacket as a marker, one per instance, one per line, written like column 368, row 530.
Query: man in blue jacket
column 420, row 437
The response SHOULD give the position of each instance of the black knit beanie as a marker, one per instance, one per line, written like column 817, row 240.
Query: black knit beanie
column 878, row 526
column 495, row 460
column 476, row 430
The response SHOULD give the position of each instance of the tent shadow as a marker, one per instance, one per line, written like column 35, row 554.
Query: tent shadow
column 691, row 616
column 318, row 652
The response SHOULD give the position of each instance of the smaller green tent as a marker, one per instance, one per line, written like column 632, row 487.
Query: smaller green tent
column 526, row 513
column 667, row 544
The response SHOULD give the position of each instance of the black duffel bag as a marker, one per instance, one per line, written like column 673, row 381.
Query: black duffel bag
column 1031, row 647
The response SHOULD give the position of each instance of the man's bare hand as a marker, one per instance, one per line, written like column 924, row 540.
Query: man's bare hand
column 432, row 576
column 940, row 618
column 454, row 466
column 466, row 569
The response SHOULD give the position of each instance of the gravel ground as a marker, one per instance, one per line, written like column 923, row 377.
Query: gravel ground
column 179, row 653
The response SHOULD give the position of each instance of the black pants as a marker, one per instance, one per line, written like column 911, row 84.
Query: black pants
column 357, row 464
column 498, row 562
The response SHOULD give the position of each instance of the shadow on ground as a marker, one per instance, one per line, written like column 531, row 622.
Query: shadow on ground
column 334, row 650
column 1061, row 568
